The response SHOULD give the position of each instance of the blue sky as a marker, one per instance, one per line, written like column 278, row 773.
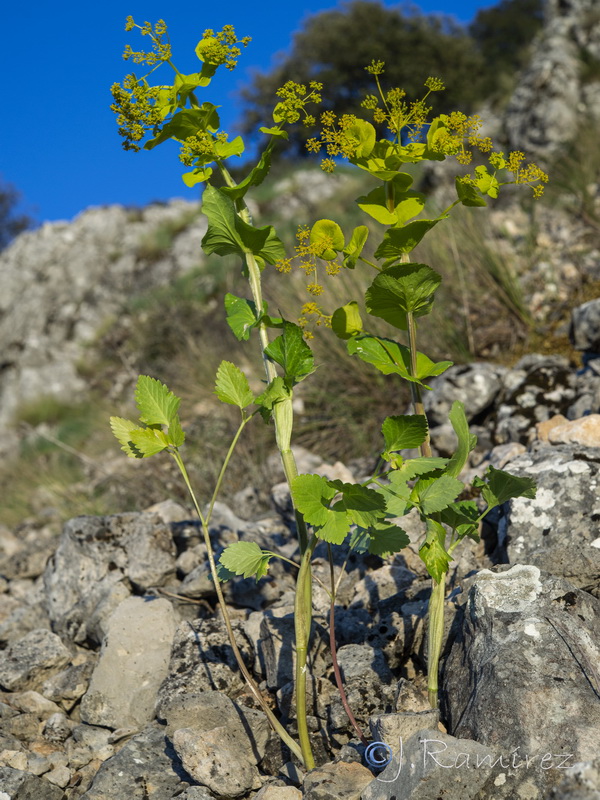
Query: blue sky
column 58, row 140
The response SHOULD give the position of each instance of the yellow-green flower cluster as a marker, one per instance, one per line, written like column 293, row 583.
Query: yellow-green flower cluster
column 460, row 132
column 135, row 107
column 337, row 137
column 200, row 145
column 294, row 98
column 161, row 50
column 222, row 47
column 319, row 318
column 528, row 174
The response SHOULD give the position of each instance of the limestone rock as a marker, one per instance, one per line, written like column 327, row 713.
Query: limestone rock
column 15, row 784
column 27, row 662
column 584, row 431
column 137, row 649
column 336, row 781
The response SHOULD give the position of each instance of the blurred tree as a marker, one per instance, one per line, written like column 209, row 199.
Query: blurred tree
column 335, row 46
column 502, row 35
column 11, row 223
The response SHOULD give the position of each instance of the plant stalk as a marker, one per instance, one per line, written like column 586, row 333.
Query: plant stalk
column 302, row 624
column 435, row 638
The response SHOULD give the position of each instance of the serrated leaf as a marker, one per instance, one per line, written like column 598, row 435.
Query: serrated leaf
column 421, row 466
column 149, row 441
column 426, row 368
column 312, row 496
column 346, row 321
column 466, row 441
column 386, row 539
column 435, row 494
column 364, row 506
column 404, row 432
column 463, row 517
column 232, row 386
column 175, row 434
column 156, row 404
column 245, row 558
column 400, row 289
column 291, row 352
column 433, row 551
column 499, row 486
column 122, row 429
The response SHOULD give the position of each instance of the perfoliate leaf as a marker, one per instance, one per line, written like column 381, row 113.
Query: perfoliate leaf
column 392, row 358
column 404, row 432
column 433, row 551
column 466, row 440
column 197, row 176
column 156, row 404
column 355, row 246
column 364, row 135
column 257, row 175
column 122, row 429
column 346, row 321
column 291, row 352
column 435, row 494
column 390, row 204
column 241, row 316
column 245, row 558
column 400, row 289
column 468, row 194
column 275, row 392
column 398, row 241
column 328, row 235
column 149, row 441
column 499, row 486
column 187, row 123
column 485, row 182
column 227, row 233
column 232, row 386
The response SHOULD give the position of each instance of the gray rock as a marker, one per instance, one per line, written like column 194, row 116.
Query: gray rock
column 558, row 531
column 15, row 784
column 581, row 782
column 28, row 662
column 336, row 781
column 393, row 729
column 522, row 676
column 585, row 327
column 69, row 685
column 96, row 560
column 475, row 385
column 219, row 742
column 202, row 660
column 145, row 768
column 537, row 388
column 137, row 649
column 432, row 764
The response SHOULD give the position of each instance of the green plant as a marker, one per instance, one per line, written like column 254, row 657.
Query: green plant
column 362, row 517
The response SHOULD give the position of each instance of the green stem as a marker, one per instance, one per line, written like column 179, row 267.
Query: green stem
column 435, row 638
column 415, row 389
column 302, row 623
column 275, row 724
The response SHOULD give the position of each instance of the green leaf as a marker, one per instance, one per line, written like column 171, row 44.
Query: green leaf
column 346, row 321
column 392, row 358
column 355, row 246
column 291, row 352
column 391, row 204
column 400, row 289
column 468, row 194
column 433, row 551
column 149, row 441
column 197, row 176
column 486, row 183
column 421, row 466
column 382, row 539
column 463, row 517
column 404, row 432
column 312, row 495
column 363, row 506
column 398, row 241
column 122, row 429
column 241, row 316
column 364, row 135
column 256, row 176
column 466, row 441
column 499, row 486
column 327, row 234
column 175, row 434
column 156, row 404
column 187, row 123
column 245, row 558
column 396, row 495
column 233, row 148
column 279, row 133
column 434, row 494
column 232, row 386
column 276, row 392
column 227, row 233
